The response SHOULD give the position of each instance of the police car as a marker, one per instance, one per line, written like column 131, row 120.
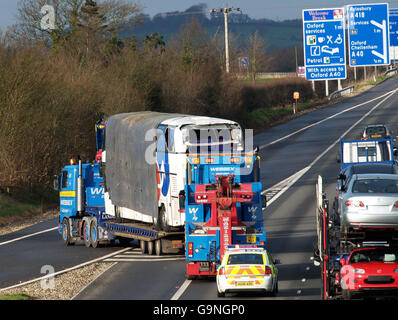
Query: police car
column 247, row 268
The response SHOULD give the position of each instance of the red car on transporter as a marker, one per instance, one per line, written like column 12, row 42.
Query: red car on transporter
column 370, row 271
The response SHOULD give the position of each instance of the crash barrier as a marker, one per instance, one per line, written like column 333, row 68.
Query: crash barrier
column 390, row 72
column 340, row 93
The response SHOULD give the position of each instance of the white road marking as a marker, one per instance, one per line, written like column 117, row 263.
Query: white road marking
column 66, row 270
column 143, row 259
column 181, row 290
column 284, row 185
column 27, row 236
column 135, row 255
column 86, row 286
column 323, row 120
column 278, row 189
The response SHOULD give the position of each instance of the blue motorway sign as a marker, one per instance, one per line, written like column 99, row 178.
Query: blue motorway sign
column 368, row 34
column 393, row 17
column 324, row 44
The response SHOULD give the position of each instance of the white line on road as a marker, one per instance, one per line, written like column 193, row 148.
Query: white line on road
column 328, row 118
column 50, row 275
column 181, row 290
column 27, row 236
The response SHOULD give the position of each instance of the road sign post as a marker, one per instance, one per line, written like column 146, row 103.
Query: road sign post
column 368, row 34
column 324, row 44
column 296, row 96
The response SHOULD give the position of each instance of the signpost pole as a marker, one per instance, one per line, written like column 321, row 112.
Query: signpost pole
column 327, row 88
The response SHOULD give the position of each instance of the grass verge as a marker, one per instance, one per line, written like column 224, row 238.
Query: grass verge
column 17, row 204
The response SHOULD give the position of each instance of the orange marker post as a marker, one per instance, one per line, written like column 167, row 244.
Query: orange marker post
column 296, row 96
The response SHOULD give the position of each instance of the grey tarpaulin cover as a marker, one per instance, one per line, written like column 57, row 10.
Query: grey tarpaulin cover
column 129, row 178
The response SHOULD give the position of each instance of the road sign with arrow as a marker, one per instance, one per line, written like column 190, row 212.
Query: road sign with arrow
column 368, row 34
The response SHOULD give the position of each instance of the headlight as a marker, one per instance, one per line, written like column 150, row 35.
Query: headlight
column 396, row 270
column 360, row 271
column 236, row 134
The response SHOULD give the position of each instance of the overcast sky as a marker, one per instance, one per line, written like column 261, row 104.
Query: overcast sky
column 270, row 9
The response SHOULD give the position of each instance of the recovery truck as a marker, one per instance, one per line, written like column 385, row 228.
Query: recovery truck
column 332, row 245
column 223, row 208
column 95, row 198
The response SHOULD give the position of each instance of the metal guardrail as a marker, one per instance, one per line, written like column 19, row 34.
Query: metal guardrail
column 342, row 92
column 391, row 72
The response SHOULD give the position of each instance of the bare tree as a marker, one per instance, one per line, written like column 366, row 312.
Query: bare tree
column 115, row 15
column 258, row 57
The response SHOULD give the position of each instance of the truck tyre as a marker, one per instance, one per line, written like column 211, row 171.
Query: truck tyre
column 162, row 220
column 66, row 236
column 86, row 234
column 143, row 246
column 158, row 247
column 150, row 247
column 94, row 233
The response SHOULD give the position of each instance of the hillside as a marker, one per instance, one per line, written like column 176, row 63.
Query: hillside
column 278, row 34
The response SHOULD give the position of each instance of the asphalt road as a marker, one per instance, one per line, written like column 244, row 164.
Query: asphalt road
column 289, row 220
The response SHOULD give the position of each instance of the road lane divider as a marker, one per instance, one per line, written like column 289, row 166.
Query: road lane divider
column 27, row 236
column 323, row 120
column 181, row 290
column 51, row 275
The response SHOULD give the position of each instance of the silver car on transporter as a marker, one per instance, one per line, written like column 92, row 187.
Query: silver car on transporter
column 370, row 202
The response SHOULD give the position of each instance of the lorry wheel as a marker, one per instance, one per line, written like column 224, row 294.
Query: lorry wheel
column 86, row 234
column 150, row 247
column 94, row 234
column 143, row 246
column 66, row 232
column 158, row 247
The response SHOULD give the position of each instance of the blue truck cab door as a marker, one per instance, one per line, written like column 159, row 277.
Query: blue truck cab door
column 67, row 192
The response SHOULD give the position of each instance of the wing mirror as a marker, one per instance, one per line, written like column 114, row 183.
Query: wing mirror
column 277, row 261
column 343, row 261
column 341, row 176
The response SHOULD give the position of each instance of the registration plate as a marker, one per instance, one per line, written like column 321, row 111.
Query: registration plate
column 244, row 283
column 251, row 239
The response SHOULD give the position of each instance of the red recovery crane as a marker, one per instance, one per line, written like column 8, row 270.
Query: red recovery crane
column 223, row 198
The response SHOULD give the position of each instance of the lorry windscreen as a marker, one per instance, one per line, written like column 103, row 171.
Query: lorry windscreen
column 213, row 138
